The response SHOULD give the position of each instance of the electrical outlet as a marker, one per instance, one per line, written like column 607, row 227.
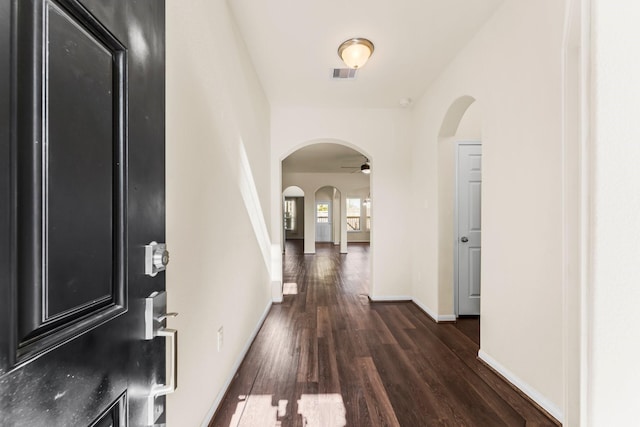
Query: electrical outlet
column 220, row 338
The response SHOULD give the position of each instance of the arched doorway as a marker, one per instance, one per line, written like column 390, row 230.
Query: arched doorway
column 459, row 200
column 329, row 164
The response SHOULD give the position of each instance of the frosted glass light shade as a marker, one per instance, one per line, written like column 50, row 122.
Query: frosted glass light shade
column 355, row 52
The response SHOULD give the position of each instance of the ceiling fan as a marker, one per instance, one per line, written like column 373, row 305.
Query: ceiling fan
column 364, row 168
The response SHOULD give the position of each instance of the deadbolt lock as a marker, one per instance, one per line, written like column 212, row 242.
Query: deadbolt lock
column 156, row 258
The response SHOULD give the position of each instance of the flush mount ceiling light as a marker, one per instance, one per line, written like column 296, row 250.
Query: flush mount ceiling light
column 355, row 52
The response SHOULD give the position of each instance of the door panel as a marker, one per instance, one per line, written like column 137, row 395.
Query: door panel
column 475, row 193
column 78, row 165
column 82, row 187
column 70, row 184
column 469, row 228
column 474, row 273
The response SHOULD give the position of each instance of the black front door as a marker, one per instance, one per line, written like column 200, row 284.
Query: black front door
column 81, row 194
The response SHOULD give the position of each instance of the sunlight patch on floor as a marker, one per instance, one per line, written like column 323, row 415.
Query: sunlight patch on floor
column 290, row 289
column 322, row 410
column 316, row 410
column 257, row 410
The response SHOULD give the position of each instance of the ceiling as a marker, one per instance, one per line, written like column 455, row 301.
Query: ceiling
column 324, row 158
column 293, row 46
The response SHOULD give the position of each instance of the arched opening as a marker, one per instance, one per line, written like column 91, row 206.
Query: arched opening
column 327, row 163
column 330, row 173
column 459, row 215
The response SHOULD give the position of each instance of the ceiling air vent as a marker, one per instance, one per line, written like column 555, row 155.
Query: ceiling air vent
column 344, row 73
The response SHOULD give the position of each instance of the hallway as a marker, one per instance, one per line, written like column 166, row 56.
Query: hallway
column 327, row 357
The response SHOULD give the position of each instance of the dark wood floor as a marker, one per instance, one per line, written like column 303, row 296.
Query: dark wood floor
column 327, row 357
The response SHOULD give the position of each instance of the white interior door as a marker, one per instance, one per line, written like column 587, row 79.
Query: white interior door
column 469, row 193
column 323, row 222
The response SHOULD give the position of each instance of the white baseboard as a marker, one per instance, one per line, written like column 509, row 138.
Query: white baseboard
column 533, row 394
column 389, row 298
column 236, row 366
column 437, row 317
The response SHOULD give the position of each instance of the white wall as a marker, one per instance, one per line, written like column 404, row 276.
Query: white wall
column 217, row 201
column 614, row 290
column 382, row 135
column 513, row 69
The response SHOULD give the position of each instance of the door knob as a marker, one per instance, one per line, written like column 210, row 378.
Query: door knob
column 464, row 239
column 156, row 258
column 161, row 258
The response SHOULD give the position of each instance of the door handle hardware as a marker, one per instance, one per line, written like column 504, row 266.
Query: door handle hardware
column 464, row 239
column 156, row 258
column 172, row 372
column 166, row 316
column 155, row 314
column 171, row 335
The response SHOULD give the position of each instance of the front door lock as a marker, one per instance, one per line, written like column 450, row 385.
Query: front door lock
column 156, row 258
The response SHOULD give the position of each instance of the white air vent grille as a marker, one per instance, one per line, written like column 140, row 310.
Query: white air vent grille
column 344, row 73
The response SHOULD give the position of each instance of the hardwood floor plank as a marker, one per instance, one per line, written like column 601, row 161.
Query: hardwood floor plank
column 384, row 334
column 351, row 385
column 308, row 357
column 381, row 412
column 324, row 323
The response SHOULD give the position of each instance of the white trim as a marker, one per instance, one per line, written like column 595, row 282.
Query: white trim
column 234, row 369
column 587, row 167
column 533, row 394
column 437, row 317
column 446, row 318
column 389, row 298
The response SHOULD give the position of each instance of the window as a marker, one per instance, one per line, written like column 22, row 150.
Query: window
column 353, row 214
column 322, row 212
column 290, row 214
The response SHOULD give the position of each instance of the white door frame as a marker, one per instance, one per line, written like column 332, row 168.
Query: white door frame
column 456, row 234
